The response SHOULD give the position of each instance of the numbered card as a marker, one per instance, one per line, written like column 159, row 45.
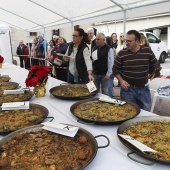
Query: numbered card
column 15, row 105
column 17, row 91
column 137, row 144
column 63, row 129
column 5, row 75
column 111, row 100
column 91, row 86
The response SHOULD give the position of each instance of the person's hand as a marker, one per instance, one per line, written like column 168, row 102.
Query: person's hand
column 66, row 58
column 91, row 78
column 106, row 77
column 124, row 84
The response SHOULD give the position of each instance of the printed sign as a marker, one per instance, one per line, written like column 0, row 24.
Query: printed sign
column 15, row 105
column 63, row 129
column 91, row 86
column 110, row 100
column 137, row 144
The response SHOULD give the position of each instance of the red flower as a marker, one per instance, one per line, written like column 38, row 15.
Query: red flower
column 40, row 74
column 1, row 59
column 36, row 75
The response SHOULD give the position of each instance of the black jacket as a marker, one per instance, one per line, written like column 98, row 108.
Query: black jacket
column 62, row 50
column 21, row 51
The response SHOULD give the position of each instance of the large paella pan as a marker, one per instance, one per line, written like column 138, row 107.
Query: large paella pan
column 4, row 78
column 72, row 92
column 8, row 85
column 98, row 112
column 11, row 120
column 153, row 131
column 41, row 149
column 6, row 98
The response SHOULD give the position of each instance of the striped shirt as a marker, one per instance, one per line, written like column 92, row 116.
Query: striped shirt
column 134, row 67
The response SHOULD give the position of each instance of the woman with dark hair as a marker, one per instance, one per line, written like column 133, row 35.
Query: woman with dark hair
column 60, row 69
column 78, row 55
column 114, row 40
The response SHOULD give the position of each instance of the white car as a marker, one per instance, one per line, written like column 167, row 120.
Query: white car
column 158, row 47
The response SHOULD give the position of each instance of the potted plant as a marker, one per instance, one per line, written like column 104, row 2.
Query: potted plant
column 37, row 78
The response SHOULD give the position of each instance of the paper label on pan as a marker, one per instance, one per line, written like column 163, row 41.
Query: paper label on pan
column 91, row 86
column 137, row 144
column 66, row 130
column 111, row 100
column 18, row 91
column 15, row 105
column 5, row 75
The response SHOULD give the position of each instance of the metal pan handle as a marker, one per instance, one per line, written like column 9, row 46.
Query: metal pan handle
column 107, row 141
column 145, row 163
column 52, row 118
column 84, row 122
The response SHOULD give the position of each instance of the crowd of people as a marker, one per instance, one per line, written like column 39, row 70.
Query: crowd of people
column 92, row 56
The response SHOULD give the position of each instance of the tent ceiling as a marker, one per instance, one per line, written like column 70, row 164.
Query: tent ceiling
column 31, row 15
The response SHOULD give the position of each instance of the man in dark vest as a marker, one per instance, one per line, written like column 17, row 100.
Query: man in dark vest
column 103, row 57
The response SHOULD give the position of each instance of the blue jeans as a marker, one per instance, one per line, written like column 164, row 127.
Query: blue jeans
column 100, row 82
column 110, row 87
column 140, row 96
column 70, row 79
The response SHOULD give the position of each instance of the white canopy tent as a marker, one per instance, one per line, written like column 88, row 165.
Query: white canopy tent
column 37, row 15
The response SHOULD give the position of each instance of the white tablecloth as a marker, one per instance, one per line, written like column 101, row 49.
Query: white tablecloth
column 112, row 157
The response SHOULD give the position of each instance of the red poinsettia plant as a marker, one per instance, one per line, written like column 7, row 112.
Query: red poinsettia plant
column 1, row 59
column 37, row 76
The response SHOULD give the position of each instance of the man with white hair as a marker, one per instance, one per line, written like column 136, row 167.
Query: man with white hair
column 103, row 57
column 20, row 52
column 90, row 33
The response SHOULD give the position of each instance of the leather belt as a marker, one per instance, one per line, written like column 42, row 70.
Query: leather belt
column 139, row 85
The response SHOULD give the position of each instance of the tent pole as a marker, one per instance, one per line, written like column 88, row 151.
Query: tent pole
column 124, row 22
column 11, row 47
column 72, row 29
column 45, row 47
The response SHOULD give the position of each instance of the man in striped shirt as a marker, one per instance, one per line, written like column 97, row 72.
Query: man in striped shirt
column 131, row 67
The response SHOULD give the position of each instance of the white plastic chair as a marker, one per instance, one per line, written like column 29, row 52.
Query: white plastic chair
column 161, row 82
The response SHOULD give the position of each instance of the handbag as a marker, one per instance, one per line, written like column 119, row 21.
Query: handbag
column 57, row 62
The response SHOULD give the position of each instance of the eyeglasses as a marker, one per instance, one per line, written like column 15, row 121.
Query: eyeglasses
column 122, row 36
column 75, row 36
column 128, row 41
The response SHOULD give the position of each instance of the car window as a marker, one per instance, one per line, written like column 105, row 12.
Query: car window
column 151, row 38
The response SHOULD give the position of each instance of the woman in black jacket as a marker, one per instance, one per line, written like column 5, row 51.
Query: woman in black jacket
column 78, row 55
column 61, row 47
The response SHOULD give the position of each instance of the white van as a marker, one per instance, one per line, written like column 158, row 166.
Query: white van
column 159, row 47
